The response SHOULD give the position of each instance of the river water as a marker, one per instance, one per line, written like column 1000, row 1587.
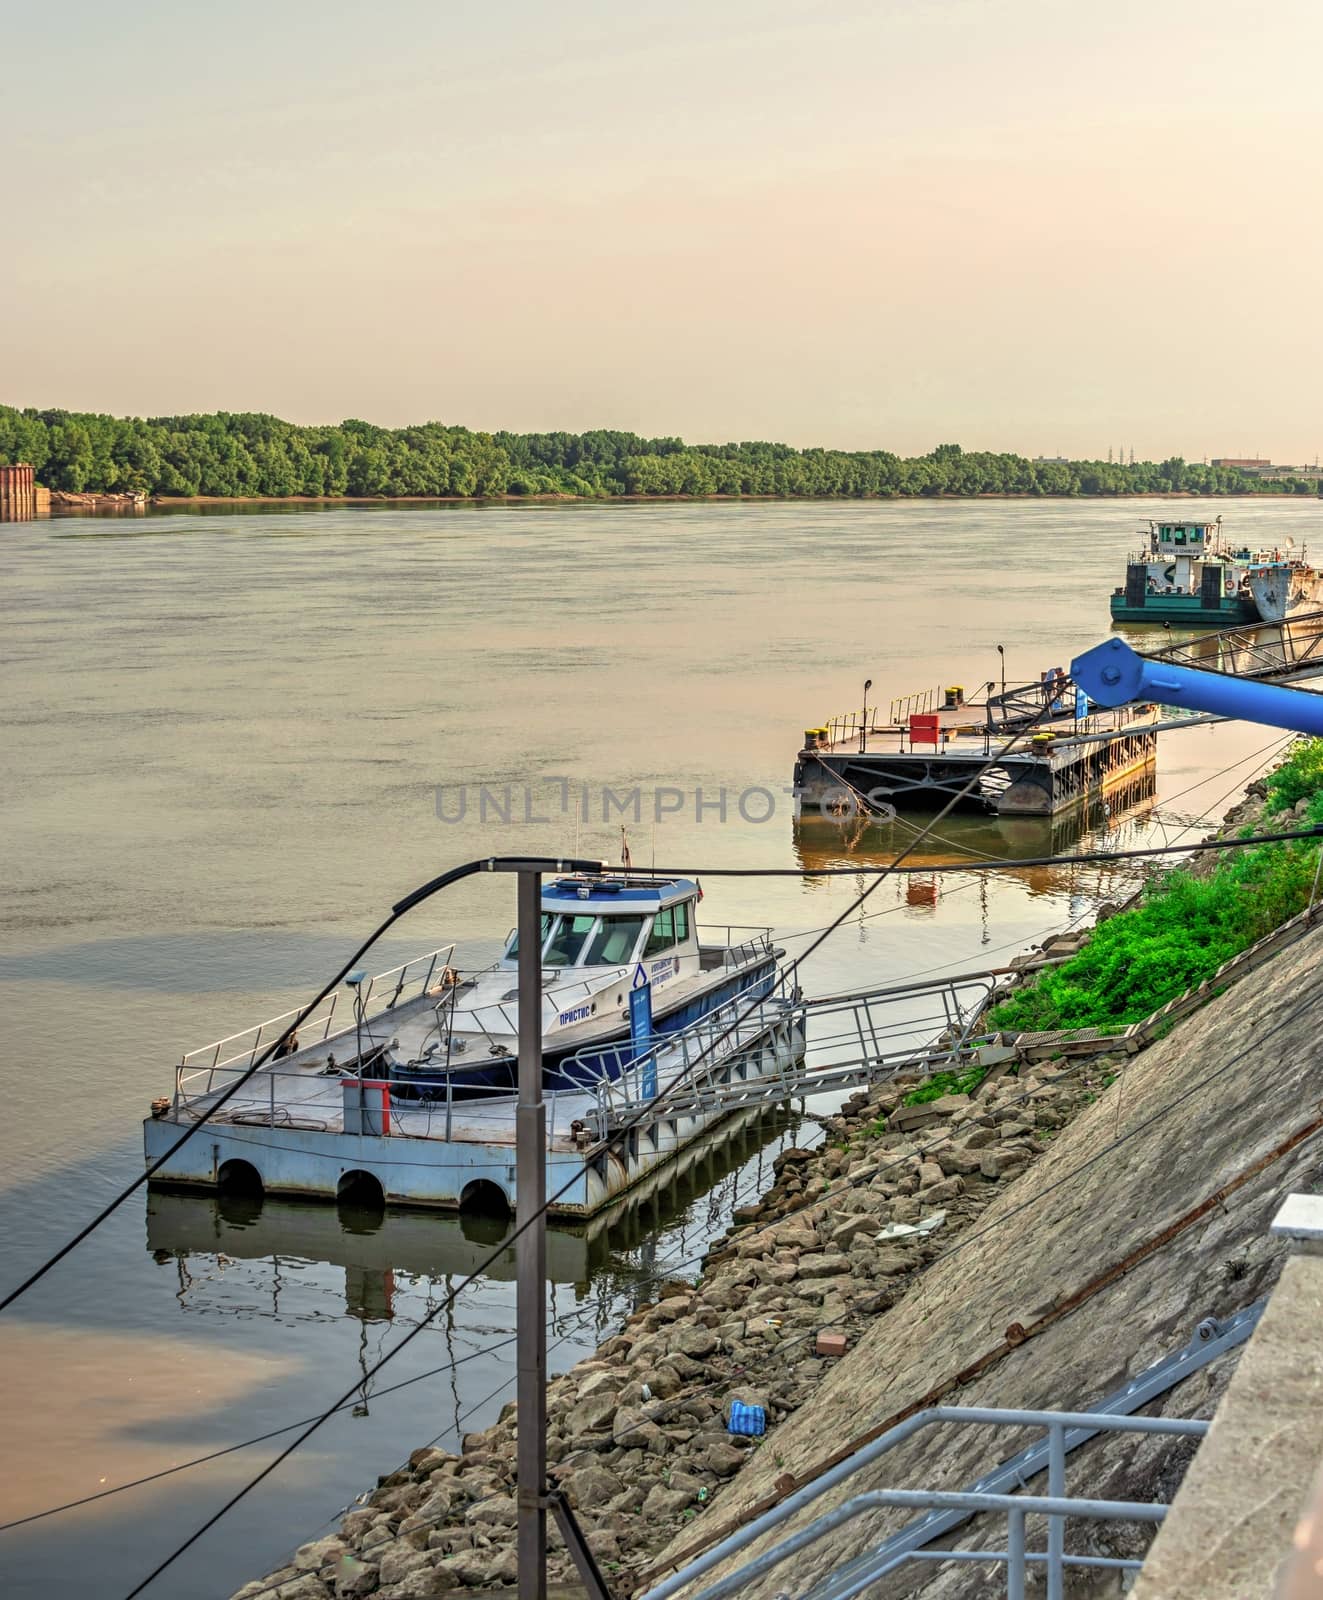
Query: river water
column 232, row 739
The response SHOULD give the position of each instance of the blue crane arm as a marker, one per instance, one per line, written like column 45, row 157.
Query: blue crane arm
column 1112, row 674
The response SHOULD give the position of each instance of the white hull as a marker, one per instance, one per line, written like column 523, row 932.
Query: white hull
column 1280, row 590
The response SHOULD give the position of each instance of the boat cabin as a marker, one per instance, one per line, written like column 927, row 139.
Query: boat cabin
column 613, row 922
column 1170, row 539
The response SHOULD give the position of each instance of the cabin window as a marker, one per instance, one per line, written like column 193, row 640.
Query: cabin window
column 567, row 940
column 1180, row 536
column 663, row 934
column 681, row 922
column 512, row 949
column 613, row 945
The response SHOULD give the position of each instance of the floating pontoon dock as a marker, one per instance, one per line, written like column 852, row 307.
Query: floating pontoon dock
column 926, row 748
column 1065, row 763
column 301, row 1131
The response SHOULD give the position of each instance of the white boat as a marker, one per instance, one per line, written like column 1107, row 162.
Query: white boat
column 600, row 935
column 433, row 1031
column 401, row 1085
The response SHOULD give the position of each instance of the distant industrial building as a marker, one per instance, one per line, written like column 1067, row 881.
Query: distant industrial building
column 21, row 496
column 1259, row 468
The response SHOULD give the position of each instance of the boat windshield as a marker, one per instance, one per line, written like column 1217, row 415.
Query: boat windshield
column 512, row 949
column 566, row 940
column 613, row 944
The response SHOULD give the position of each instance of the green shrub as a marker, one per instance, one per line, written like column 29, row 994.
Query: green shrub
column 1186, row 927
column 1300, row 775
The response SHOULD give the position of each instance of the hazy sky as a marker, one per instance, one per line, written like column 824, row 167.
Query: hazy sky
column 1033, row 224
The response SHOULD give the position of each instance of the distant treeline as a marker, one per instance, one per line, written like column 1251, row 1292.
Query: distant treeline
column 232, row 455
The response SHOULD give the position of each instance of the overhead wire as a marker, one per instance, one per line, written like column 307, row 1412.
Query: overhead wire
column 623, row 1132
column 658, row 1274
column 878, row 874
column 969, row 1238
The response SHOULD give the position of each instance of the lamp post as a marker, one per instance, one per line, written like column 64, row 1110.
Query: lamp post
column 1001, row 651
column 863, row 729
column 531, row 1252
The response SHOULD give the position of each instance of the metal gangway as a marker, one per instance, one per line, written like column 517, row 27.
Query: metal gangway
column 765, row 1048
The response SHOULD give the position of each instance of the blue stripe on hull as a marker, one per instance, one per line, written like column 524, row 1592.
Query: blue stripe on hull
column 754, row 982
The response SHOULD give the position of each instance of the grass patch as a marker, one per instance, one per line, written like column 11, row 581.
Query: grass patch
column 1186, row 926
column 945, row 1083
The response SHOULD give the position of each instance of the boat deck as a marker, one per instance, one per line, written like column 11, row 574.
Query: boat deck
column 855, row 770
column 964, row 731
column 312, row 1101
column 301, row 1094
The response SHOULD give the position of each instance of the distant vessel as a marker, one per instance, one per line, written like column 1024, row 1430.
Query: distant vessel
column 1187, row 577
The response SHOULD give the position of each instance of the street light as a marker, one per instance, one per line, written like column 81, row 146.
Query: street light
column 1001, row 651
column 863, row 731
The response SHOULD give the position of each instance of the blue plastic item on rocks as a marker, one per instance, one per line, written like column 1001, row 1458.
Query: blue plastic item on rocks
column 747, row 1419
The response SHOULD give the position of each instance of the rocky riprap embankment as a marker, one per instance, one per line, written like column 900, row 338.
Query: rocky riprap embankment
column 637, row 1433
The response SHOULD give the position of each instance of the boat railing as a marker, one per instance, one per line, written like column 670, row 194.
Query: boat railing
column 379, row 994
column 315, row 1103
column 601, row 1067
column 610, row 1069
column 736, row 952
column 852, row 724
column 905, row 706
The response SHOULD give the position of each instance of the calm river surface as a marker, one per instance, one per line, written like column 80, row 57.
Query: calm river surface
column 223, row 738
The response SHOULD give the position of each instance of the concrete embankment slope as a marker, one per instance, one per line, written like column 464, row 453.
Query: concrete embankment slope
column 1148, row 1212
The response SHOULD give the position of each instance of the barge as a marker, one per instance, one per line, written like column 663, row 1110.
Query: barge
column 1186, row 577
column 1074, row 756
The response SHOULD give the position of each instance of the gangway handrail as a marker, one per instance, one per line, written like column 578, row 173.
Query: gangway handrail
column 701, row 1052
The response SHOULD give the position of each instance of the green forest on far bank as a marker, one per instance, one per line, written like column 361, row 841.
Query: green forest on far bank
column 238, row 454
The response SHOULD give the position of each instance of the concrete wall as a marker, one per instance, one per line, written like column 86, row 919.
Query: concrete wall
column 1231, row 1531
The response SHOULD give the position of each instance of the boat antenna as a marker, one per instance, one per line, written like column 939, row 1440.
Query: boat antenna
column 625, row 860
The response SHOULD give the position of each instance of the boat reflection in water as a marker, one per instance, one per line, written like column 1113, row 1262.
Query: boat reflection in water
column 234, row 1250
column 1114, row 823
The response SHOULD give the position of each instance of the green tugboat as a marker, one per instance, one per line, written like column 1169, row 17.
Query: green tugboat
column 1186, row 578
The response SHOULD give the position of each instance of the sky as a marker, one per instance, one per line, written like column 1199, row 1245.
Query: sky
column 1014, row 224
